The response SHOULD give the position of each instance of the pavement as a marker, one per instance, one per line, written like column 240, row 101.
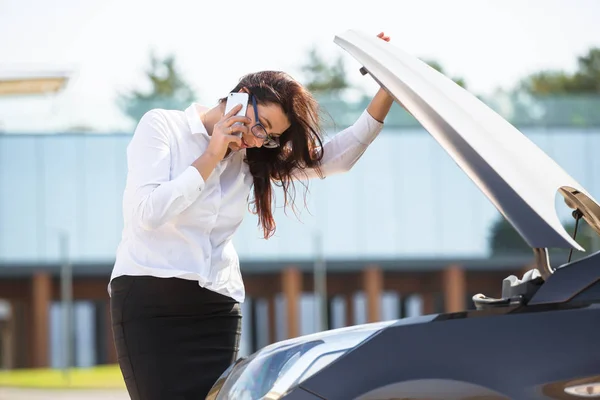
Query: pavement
column 56, row 394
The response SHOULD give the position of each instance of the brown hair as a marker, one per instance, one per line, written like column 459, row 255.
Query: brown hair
column 299, row 144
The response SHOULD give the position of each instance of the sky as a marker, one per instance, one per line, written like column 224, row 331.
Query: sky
column 105, row 45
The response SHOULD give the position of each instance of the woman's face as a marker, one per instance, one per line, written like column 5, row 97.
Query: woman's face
column 271, row 117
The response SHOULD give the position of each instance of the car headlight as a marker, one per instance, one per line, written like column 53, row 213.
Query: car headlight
column 269, row 373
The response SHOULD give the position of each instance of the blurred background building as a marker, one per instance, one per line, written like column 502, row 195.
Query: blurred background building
column 405, row 232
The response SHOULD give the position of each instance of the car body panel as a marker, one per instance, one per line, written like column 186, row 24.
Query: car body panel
column 509, row 354
column 566, row 284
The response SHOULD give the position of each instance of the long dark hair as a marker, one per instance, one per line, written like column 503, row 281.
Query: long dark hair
column 299, row 145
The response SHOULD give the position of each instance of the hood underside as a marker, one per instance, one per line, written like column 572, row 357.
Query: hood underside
column 515, row 175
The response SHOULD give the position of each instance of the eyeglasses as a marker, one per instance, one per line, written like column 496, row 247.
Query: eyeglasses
column 259, row 130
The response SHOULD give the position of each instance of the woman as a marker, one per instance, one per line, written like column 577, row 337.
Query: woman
column 176, row 283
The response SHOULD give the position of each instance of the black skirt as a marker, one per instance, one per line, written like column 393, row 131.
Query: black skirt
column 173, row 338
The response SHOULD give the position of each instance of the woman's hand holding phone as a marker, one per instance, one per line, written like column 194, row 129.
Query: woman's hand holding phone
column 227, row 131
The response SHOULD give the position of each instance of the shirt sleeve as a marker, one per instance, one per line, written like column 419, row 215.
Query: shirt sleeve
column 152, row 196
column 345, row 148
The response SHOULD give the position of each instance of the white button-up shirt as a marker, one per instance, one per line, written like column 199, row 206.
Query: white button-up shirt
column 178, row 225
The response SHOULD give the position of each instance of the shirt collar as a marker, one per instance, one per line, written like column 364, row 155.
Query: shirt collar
column 192, row 114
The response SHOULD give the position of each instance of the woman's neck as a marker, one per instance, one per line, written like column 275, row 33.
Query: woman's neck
column 212, row 116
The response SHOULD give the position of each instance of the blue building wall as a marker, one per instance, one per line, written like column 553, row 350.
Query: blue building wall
column 405, row 197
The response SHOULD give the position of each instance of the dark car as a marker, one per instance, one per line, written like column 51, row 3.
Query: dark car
column 540, row 340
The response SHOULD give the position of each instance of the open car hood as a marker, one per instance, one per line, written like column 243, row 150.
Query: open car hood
column 516, row 175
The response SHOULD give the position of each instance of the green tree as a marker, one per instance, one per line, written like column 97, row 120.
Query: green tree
column 587, row 77
column 322, row 77
column 585, row 80
column 505, row 240
column 438, row 67
column 558, row 97
column 547, row 82
column 168, row 89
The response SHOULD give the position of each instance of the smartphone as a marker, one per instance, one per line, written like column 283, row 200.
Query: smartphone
column 235, row 98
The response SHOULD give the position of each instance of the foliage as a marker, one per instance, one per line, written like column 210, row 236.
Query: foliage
column 322, row 77
column 505, row 240
column 585, row 80
column 554, row 97
column 438, row 67
column 168, row 89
